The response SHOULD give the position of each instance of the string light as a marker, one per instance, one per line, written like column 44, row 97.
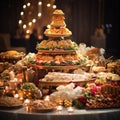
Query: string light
column 34, row 20
column 30, row 23
column 54, row 6
column 48, row 5
column 24, row 26
column 22, row 13
column 39, row 14
column 28, row 31
column 28, row 4
column 20, row 21
column 24, row 6
column 40, row 3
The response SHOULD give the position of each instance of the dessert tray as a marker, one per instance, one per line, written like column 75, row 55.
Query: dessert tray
column 41, row 106
column 59, row 78
column 58, row 35
column 11, row 56
column 55, row 67
column 10, row 102
column 52, row 83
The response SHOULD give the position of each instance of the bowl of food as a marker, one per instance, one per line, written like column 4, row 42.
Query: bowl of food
column 29, row 90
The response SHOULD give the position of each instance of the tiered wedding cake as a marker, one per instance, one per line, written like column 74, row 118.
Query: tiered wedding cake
column 59, row 51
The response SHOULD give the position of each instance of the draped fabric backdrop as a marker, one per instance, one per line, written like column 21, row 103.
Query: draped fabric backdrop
column 85, row 19
column 9, row 15
column 82, row 17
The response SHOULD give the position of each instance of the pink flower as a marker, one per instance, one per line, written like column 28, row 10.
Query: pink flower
column 93, row 91
column 93, row 88
column 92, row 85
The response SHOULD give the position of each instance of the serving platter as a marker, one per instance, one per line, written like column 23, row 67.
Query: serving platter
column 56, row 52
column 58, row 35
column 72, row 67
column 7, row 102
column 57, row 83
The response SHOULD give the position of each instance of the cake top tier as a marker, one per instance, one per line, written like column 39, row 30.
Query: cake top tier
column 58, row 12
column 58, row 25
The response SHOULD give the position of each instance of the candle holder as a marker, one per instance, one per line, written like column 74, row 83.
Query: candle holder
column 16, row 96
column 21, row 98
column 27, row 108
column 26, row 102
column 70, row 109
column 59, row 108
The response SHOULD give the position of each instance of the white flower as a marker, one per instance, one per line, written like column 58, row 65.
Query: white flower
column 69, row 86
column 102, row 51
column 61, row 87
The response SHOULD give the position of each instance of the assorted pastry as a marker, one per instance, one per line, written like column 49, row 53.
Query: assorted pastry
column 66, row 77
column 59, row 60
column 58, row 20
column 6, row 101
column 62, row 31
column 11, row 56
column 42, row 106
column 103, row 101
column 57, row 44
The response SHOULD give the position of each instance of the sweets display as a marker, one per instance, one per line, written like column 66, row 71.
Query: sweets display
column 11, row 56
column 58, row 50
column 6, row 101
column 41, row 106
column 66, row 77
column 91, row 81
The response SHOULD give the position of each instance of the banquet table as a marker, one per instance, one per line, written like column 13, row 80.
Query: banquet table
column 82, row 114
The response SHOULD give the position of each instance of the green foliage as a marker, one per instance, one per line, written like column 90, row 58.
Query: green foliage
column 31, row 60
column 78, row 104
column 28, row 86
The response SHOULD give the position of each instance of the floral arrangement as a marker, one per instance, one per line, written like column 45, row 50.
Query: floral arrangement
column 91, row 90
column 74, row 94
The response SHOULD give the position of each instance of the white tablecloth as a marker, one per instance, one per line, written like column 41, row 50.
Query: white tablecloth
column 96, row 114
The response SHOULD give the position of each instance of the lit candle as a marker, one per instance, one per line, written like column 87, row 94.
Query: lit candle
column 27, row 108
column 47, row 98
column 6, row 88
column 70, row 109
column 16, row 96
column 21, row 98
column 27, row 101
column 59, row 108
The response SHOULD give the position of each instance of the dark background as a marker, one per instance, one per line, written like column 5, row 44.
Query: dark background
column 82, row 17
